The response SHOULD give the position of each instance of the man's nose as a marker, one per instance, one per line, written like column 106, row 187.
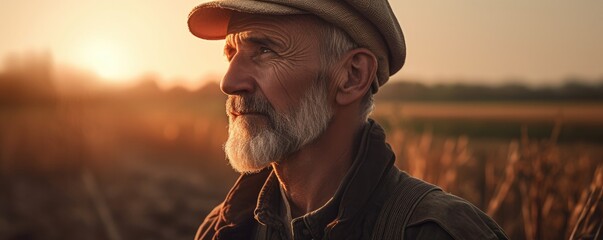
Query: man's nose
column 238, row 79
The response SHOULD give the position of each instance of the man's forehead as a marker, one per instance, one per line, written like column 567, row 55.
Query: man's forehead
column 254, row 37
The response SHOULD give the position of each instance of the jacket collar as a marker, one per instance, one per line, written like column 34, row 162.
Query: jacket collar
column 237, row 211
column 373, row 161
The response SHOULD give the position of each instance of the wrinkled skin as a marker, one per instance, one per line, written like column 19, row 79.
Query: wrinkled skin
column 278, row 58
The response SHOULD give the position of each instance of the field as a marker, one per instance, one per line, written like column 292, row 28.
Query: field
column 538, row 162
column 136, row 166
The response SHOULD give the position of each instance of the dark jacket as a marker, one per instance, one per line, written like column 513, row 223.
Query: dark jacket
column 252, row 205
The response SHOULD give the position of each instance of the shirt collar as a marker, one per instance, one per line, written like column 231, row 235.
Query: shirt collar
column 270, row 208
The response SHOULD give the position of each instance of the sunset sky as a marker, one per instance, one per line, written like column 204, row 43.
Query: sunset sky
column 542, row 41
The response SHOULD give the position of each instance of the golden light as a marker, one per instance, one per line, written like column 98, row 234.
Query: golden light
column 107, row 59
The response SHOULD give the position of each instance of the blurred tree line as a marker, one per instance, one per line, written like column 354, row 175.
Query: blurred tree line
column 574, row 89
column 33, row 79
column 27, row 80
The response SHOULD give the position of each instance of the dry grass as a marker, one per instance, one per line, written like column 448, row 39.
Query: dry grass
column 543, row 184
column 152, row 173
column 587, row 217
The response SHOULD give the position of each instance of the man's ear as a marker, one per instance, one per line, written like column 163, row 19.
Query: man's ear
column 359, row 72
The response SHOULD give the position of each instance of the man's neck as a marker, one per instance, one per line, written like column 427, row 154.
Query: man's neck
column 311, row 176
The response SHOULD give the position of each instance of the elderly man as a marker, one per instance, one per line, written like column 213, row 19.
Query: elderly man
column 300, row 84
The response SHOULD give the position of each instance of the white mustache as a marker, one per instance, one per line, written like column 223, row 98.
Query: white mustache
column 237, row 105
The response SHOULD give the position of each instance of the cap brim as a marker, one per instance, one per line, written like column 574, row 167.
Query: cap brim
column 210, row 20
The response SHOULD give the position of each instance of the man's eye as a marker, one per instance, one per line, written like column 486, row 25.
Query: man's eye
column 265, row 50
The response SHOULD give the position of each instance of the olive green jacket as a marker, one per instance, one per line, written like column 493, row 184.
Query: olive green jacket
column 374, row 201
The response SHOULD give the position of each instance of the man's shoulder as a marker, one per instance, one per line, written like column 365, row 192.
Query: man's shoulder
column 456, row 216
column 424, row 211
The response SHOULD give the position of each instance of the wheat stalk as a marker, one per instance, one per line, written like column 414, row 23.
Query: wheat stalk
column 589, row 222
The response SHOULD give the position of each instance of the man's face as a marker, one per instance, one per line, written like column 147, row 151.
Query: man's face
column 277, row 88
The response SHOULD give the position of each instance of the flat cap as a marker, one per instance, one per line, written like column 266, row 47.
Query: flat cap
column 370, row 23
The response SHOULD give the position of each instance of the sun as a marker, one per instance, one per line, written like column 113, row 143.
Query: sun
column 105, row 58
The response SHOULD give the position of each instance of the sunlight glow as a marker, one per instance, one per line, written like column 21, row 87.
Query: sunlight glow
column 106, row 59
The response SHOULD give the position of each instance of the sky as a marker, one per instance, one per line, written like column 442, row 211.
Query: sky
column 538, row 41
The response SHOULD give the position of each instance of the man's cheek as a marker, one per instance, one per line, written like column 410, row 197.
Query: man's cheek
column 291, row 83
column 276, row 86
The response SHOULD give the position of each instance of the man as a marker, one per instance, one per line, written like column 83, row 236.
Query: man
column 300, row 83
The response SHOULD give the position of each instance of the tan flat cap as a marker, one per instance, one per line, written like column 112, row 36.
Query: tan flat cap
column 371, row 23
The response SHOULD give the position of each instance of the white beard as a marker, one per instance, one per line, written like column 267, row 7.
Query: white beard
column 253, row 145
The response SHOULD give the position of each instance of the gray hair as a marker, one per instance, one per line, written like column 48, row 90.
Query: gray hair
column 335, row 43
